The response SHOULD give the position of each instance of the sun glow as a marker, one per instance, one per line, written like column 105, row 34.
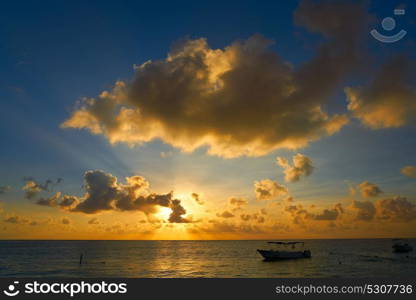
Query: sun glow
column 164, row 213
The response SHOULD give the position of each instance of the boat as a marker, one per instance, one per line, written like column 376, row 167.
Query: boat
column 284, row 252
column 401, row 246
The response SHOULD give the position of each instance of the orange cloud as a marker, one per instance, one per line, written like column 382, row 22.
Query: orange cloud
column 104, row 193
column 268, row 189
column 409, row 171
column 388, row 101
column 369, row 189
column 302, row 166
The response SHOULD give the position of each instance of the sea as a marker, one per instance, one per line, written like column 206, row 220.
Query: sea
column 361, row 258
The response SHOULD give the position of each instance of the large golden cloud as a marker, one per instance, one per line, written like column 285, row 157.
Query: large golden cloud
column 240, row 100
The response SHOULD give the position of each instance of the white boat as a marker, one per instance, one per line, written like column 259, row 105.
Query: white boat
column 284, row 252
column 401, row 246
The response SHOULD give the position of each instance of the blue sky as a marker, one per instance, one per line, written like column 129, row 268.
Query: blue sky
column 53, row 53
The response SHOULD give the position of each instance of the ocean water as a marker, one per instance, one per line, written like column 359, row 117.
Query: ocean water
column 330, row 258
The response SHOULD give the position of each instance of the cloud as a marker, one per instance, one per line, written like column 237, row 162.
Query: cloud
column 364, row 210
column 49, row 201
column 102, row 191
column 167, row 154
column 302, row 166
column 397, row 209
column 352, row 190
column 368, row 189
column 300, row 215
column 240, row 100
column 389, row 100
column 4, row 189
column 66, row 221
column 105, row 193
column 237, row 201
column 197, row 199
column 409, row 171
column 93, row 221
column 177, row 212
column 225, row 214
column 252, row 217
column 267, row 189
column 16, row 220
column 32, row 188
column 289, row 199
column 68, row 202
column 222, row 226
column 330, row 214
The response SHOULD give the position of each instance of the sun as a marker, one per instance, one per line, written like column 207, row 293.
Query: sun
column 164, row 213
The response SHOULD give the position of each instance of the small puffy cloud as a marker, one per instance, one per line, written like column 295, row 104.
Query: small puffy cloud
column 197, row 199
column 397, row 209
column 66, row 221
column 93, row 221
column 268, row 189
column 225, row 214
column 16, row 220
column 238, row 202
column 364, row 210
column 49, row 201
column 409, row 171
column 330, row 214
column 252, row 217
column 298, row 213
column 352, row 190
column 302, row 166
column 389, row 100
column 289, row 199
column 32, row 188
column 177, row 213
column 240, row 100
column 368, row 189
column 4, row 189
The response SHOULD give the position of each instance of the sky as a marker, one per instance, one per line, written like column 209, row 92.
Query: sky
column 206, row 120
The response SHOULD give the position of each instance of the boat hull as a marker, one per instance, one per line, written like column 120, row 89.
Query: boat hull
column 271, row 255
column 402, row 248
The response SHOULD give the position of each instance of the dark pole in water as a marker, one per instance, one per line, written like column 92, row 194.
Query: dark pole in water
column 80, row 259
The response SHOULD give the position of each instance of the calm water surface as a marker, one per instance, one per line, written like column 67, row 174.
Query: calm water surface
column 330, row 258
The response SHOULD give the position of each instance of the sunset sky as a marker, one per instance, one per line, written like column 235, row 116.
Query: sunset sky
column 206, row 120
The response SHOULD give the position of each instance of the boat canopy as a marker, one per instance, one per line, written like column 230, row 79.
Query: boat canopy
column 286, row 243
